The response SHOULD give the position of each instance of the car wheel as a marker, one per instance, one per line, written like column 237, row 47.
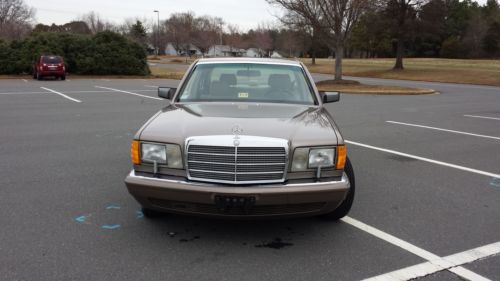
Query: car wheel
column 344, row 208
column 63, row 77
column 38, row 76
column 151, row 214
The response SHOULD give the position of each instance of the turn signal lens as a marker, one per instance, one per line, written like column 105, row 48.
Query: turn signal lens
column 134, row 152
column 341, row 157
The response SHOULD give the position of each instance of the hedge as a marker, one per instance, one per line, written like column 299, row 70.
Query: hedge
column 104, row 53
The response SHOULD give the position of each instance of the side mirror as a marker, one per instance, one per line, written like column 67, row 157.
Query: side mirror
column 329, row 97
column 166, row 92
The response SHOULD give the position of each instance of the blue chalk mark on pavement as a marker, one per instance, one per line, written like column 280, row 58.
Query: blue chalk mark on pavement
column 495, row 182
column 112, row 207
column 81, row 219
column 110, row 226
column 140, row 215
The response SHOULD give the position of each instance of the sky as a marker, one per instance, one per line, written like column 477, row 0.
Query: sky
column 246, row 14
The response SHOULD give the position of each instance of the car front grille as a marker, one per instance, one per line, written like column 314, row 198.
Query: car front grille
column 236, row 164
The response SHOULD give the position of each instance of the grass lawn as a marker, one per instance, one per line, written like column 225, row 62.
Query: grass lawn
column 332, row 86
column 486, row 72
column 158, row 72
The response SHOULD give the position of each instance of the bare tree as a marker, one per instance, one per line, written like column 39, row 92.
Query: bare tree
column 180, row 30
column 15, row 18
column 233, row 37
column 340, row 16
column 263, row 41
column 335, row 17
column 304, row 16
column 96, row 23
column 206, row 32
column 289, row 42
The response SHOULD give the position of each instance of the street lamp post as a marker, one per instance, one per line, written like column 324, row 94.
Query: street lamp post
column 157, row 51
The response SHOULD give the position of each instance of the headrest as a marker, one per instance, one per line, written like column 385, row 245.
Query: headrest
column 281, row 81
column 229, row 79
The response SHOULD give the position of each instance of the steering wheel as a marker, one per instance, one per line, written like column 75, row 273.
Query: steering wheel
column 279, row 93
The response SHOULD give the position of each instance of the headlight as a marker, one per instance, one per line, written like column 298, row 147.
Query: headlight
column 321, row 157
column 154, row 153
column 300, row 159
column 174, row 156
column 305, row 158
column 163, row 154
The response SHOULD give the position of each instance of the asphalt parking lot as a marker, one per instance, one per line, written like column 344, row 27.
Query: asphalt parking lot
column 427, row 174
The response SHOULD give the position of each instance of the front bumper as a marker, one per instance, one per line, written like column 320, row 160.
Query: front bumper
column 271, row 200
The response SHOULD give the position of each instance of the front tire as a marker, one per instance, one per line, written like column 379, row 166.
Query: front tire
column 344, row 208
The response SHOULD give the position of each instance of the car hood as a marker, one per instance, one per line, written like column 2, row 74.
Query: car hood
column 301, row 125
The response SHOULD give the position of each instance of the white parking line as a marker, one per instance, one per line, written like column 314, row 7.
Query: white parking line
column 23, row 93
column 61, row 94
column 151, row 86
column 465, row 273
column 25, row 81
column 426, row 159
column 446, row 263
column 127, row 92
column 444, row 130
column 68, row 92
column 483, row 117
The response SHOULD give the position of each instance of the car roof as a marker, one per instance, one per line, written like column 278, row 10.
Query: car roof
column 249, row 60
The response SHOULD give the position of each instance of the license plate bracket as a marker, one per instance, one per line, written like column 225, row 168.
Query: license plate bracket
column 227, row 203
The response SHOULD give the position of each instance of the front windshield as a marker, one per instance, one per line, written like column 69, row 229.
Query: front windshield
column 247, row 82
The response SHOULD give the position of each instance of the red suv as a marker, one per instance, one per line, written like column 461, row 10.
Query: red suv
column 49, row 66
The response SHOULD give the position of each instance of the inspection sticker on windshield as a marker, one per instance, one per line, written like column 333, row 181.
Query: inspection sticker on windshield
column 243, row 95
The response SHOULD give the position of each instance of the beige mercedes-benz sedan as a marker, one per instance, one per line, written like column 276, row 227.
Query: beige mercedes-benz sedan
column 243, row 138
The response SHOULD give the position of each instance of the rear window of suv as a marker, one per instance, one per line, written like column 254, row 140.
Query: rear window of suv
column 51, row 59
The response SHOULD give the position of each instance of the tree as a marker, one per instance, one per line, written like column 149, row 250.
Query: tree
column 180, row 30
column 206, row 32
column 77, row 27
column 233, row 37
column 262, row 41
column 370, row 37
column 15, row 19
column 401, row 11
column 304, row 16
column 491, row 40
column 335, row 17
column 138, row 32
column 340, row 16
column 96, row 23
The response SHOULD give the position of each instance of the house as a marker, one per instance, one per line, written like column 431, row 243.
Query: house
column 225, row 51
column 170, row 50
column 276, row 55
column 253, row 53
column 192, row 51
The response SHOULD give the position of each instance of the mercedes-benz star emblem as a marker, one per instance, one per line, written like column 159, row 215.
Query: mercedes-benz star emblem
column 237, row 130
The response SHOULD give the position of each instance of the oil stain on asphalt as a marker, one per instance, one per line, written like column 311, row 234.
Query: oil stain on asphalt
column 190, row 239
column 277, row 244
